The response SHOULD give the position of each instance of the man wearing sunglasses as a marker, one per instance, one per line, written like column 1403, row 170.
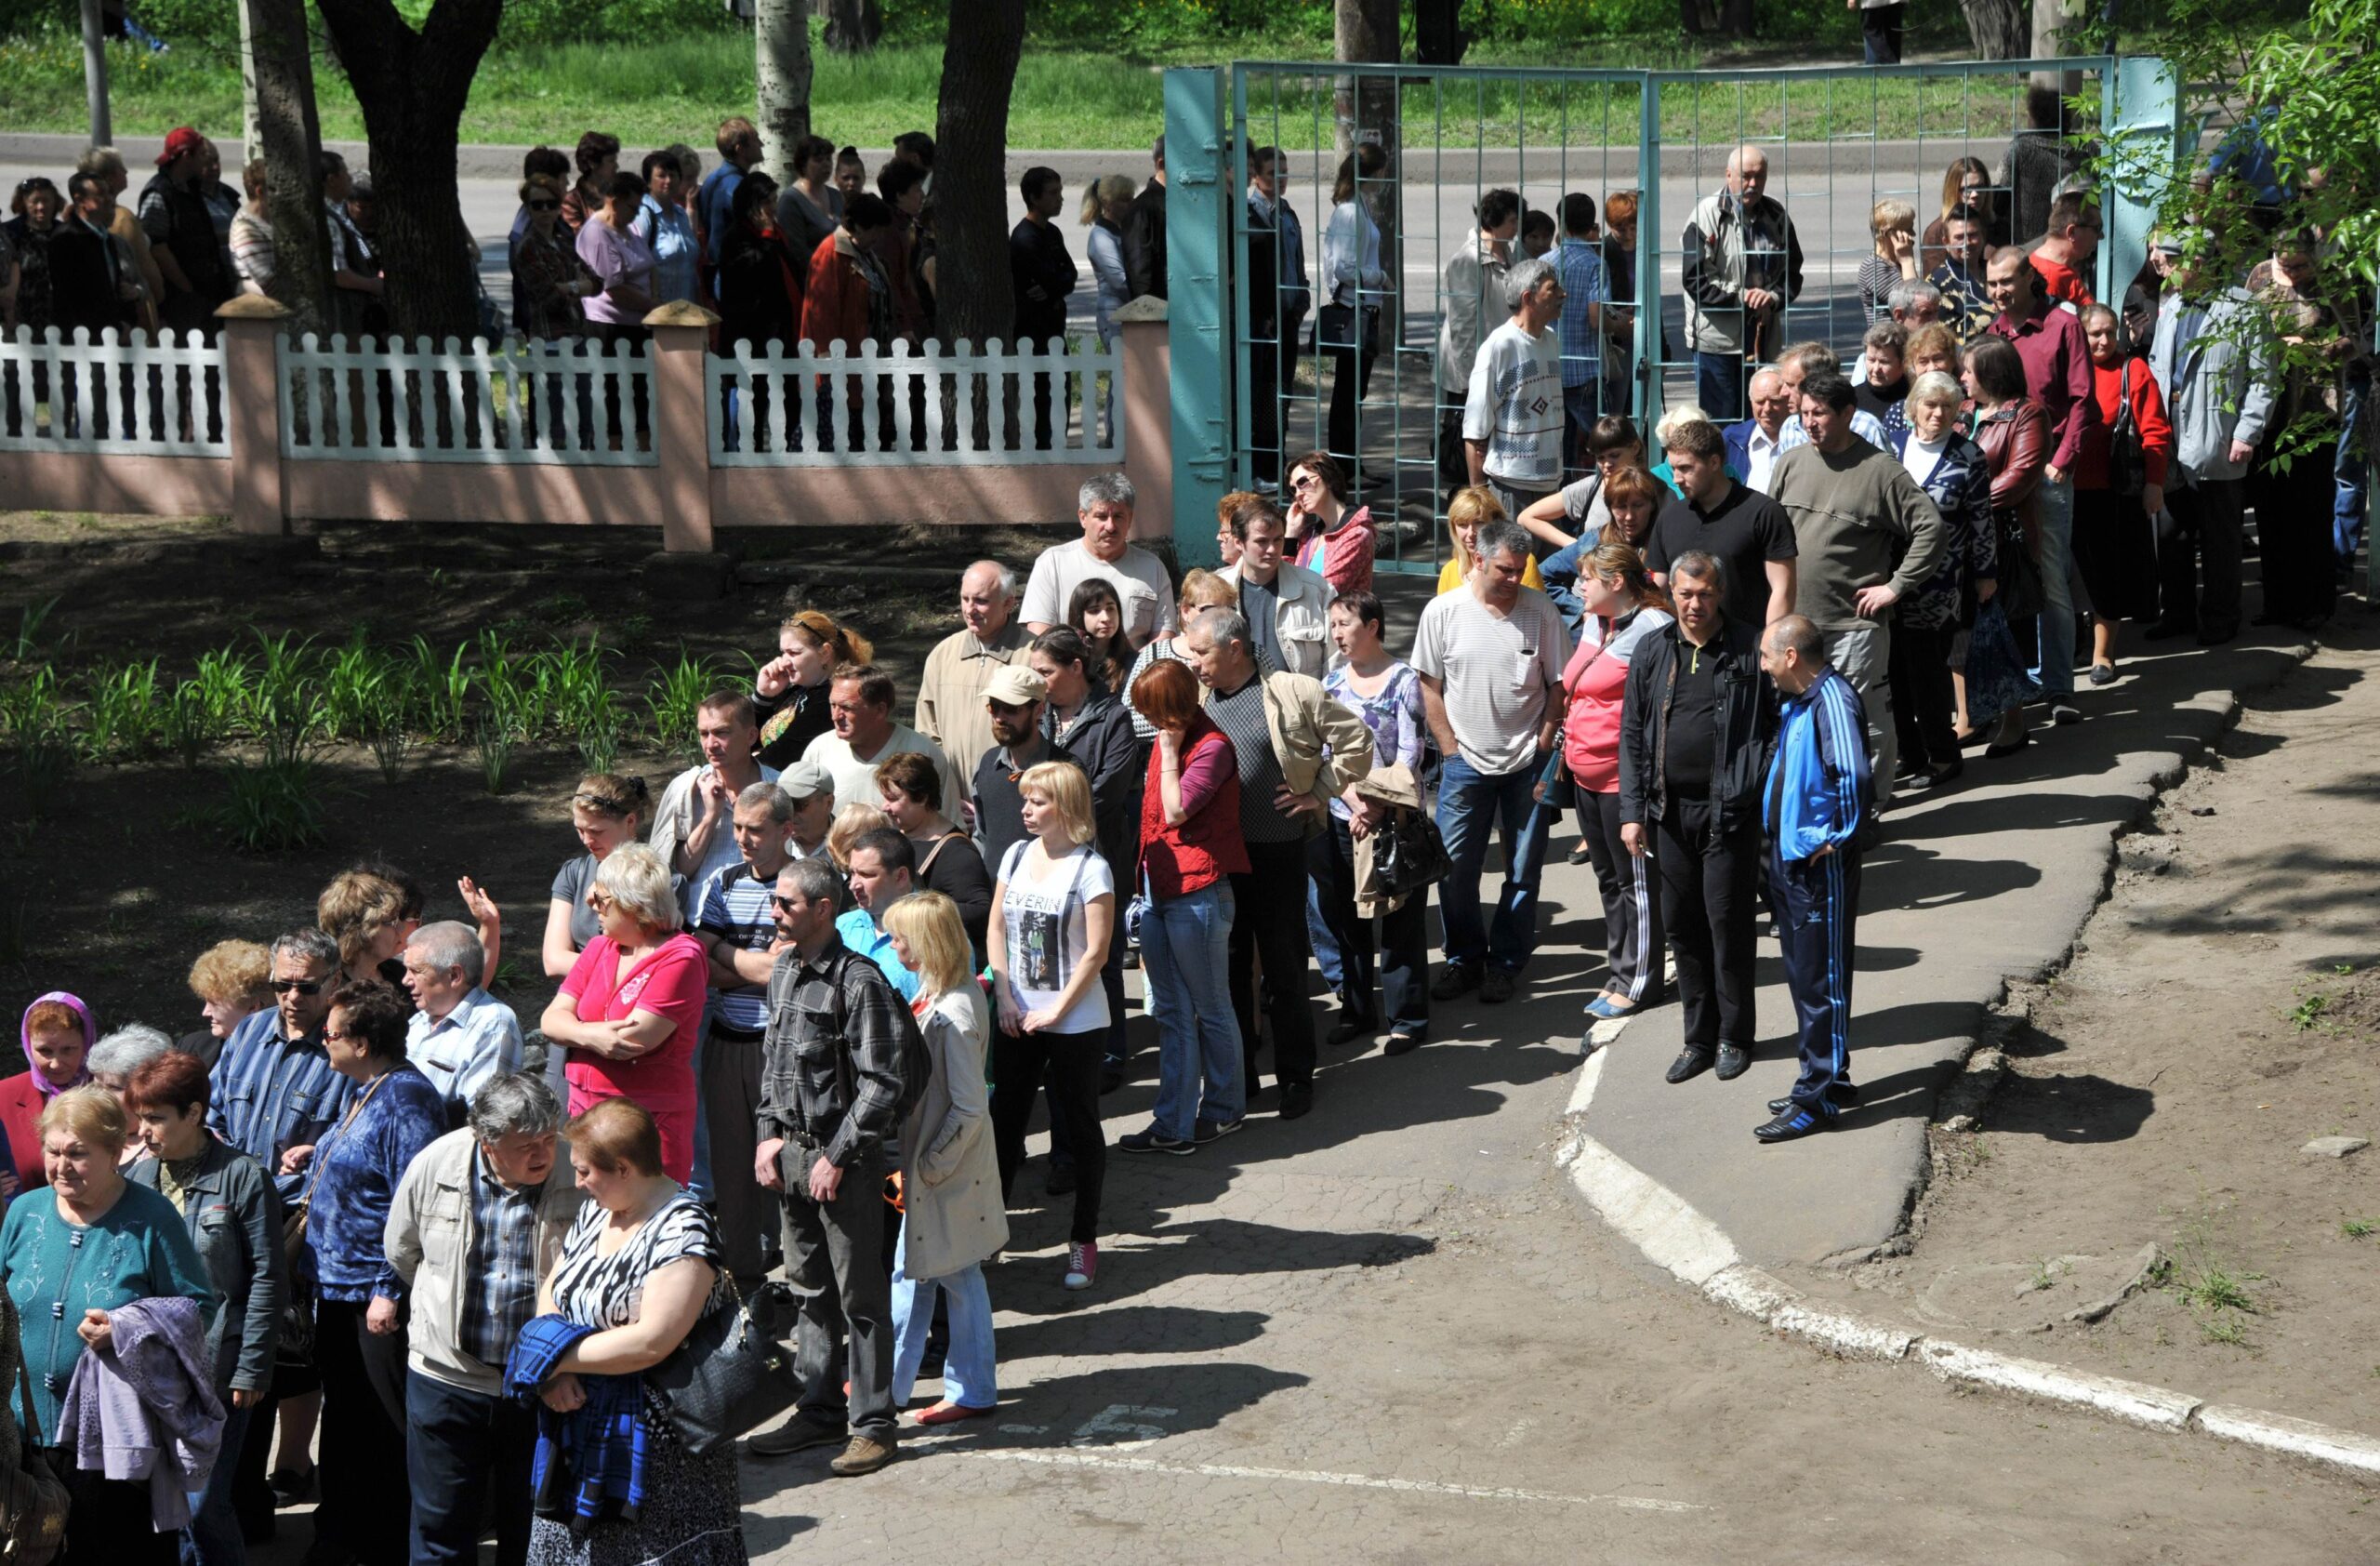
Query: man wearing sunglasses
column 273, row 1091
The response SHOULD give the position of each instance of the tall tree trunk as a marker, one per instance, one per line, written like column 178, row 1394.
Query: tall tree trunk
column 1368, row 110
column 781, row 31
column 412, row 87
column 853, row 26
column 1998, row 28
column 278, row 73
column 973, row 300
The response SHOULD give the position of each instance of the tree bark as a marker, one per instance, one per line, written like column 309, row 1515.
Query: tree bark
column 412, row 87
column 1998, row 29
column 853, row 26
column 781, row 31
column 279, row 73
column 973, row 298
column 1368, row 110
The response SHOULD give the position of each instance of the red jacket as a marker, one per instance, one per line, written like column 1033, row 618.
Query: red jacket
column 1207, row 846
column 2148, row 417
column 834, row 305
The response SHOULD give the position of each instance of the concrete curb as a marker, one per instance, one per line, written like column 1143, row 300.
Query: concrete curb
column 1682, row 1242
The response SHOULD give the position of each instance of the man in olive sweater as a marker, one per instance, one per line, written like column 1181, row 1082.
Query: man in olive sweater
column 1865, row 533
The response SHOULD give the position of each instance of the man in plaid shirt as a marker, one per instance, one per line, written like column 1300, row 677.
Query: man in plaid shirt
column 1578, row 261
column 830, row 1085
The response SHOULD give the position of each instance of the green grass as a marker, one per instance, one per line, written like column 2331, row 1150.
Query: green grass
column 676, row 85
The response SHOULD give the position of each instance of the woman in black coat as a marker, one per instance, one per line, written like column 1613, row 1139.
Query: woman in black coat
column 760, row 294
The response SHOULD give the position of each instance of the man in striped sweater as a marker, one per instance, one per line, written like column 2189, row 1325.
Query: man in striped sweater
column 1813, row 805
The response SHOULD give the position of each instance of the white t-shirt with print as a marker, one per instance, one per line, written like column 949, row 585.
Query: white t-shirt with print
column 1048, row 932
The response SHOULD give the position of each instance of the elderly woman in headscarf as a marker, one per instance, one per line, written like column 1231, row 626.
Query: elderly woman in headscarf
column 57, row 1033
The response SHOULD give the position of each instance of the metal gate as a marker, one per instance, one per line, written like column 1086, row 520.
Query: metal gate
column 1312, row 319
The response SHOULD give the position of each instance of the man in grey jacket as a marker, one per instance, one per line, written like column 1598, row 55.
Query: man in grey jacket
column 2211, row 356
column 476, row 1223
column 1742, row 266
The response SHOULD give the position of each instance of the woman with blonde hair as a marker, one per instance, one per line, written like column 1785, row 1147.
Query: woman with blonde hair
column 1892, row 223
column 232, row 981
column 1202, row 590
column 1054, row 910
column 789, row 692
column 1473, row 508
column 631, row 1008
column 952, row 1214
column 365, row 913
column 1104, row 202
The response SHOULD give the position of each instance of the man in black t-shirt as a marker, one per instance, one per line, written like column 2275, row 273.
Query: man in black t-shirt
column 1744, row 530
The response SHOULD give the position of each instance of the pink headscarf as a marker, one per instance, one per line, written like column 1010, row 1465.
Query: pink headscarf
column 25, row 1037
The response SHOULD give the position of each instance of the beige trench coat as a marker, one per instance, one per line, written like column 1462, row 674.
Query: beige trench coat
column 950, row 1177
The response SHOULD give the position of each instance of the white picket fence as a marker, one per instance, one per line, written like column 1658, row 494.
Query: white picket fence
column 576, row 401
column 774, row 408
column 137, row 397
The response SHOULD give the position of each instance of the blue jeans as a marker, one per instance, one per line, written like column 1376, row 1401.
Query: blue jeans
column 1470, row 805
column 2055, row 669
column 698, row 1180
column 214, row 1538
column 2353, row 471
column 968, row 1377
column 1186, row 953
column 1719, row 385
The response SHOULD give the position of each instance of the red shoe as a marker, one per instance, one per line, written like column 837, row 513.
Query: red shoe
column 951, row 1414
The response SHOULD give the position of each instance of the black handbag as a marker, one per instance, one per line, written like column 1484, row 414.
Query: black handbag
column 731, row 1373
column 2127, row 456
column 2017, row 585
column 1407, row 853
column 32, row 1499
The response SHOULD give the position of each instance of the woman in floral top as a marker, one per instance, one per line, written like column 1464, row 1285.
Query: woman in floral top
column 1387, row 694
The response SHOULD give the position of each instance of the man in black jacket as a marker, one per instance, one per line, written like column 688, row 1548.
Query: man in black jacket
column 1144, row 233
column 1694, row 738
column 1042, row 272
column 1278, row 296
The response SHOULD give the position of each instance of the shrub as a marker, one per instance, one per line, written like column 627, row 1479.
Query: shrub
column 275, row 807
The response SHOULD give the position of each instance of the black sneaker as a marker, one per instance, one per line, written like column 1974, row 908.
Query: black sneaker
column 1152, row 1140
column 1205, row 1132
column 1459, row 979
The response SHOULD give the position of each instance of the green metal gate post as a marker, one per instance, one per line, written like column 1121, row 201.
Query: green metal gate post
column 1198, row 166
column 2143, row 105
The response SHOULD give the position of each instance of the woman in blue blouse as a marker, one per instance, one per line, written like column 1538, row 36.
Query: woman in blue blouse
column 1387, row 694
column 359, row 1300
column 89, row 1244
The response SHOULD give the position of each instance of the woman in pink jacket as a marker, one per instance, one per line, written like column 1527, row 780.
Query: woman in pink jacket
column 1622, row 607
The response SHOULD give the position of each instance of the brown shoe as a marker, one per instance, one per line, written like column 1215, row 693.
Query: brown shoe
column 862, row 1457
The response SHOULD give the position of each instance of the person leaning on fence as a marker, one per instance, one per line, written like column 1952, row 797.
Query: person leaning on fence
column 1470, row 296
column 1742, row 268
column 833, row 1083
column 478, row 1221
column 1513, row 418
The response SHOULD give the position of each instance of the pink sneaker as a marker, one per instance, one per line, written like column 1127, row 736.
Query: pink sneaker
column 1083, row 1265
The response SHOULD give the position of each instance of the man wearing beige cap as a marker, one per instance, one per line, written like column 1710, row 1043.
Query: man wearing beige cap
column 813, row 789
column 1015, row 699
column 950, row 693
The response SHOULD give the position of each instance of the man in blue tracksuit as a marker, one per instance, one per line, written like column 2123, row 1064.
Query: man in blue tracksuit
column 1815, row 797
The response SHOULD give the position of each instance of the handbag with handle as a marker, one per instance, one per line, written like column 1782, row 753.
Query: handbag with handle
column 33, row 1502
column 1408, row 854
column 731, row 1373
column 2127, row 454
column 297, row 1343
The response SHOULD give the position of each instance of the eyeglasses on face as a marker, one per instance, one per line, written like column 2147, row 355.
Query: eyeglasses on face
column 545, row 206
column 296, row 986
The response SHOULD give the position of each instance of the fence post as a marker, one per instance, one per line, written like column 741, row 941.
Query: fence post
column 682, row 424
column 252, row 407
column 1148, row 406
column 1197, row 218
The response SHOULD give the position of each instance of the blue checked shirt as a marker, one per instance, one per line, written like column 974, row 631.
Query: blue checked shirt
column 1579, row 265
column 465, row 1050
column 268, row 1095
column 500, row 1274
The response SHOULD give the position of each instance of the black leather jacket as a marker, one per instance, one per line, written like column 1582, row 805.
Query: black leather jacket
column 1747, row 726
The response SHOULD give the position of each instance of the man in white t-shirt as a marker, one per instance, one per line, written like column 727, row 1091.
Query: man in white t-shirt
column 1511, row 421
column 1490, row 656
column 1105, row 509
column 694, row 830
column 860, row 699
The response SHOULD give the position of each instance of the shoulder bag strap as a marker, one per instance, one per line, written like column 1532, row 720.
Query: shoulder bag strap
column 31, row 1426
column 940, row 844
column 306, row 1201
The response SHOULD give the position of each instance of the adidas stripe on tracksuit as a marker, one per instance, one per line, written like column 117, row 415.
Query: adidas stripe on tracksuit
column 1815, row 797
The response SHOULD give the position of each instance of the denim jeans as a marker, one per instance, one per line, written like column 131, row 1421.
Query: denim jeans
column 967, row 1374
column 1719, row 384
column 2054, row 671
column 1185, row 954
column 2352, row 472
column 214, row 1537
column 1471, row 806
column 469, row 1453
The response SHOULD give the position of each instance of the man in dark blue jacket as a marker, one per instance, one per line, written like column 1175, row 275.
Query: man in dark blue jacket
column 1816, row 798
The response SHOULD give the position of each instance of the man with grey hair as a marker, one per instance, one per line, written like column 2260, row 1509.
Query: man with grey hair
column 1490, row 654
column 1742, row 267
column 950, row 693
column 273, row 1093
column 1105, row 548
column 1512, row 419
column 476, row 1224
column 1912, row 304
column 460, row 1036
column 1796, row 365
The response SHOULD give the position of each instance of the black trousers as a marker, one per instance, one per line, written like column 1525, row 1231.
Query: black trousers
column 1402, row 965
column 467, row 1451
column 1069, row 1063
column 367, row 1506
column 1349, row 337
column 1268, row 920
column 2293, row 516
column 835, row 1261
column 1925, row 706
column 1879, row 33
column 1271, row 367
column 108, row 1520
column 2199, row 543
column 1710, row 883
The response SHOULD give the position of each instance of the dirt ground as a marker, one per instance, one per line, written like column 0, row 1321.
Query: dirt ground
column 2223, row 1011
column 113, row 897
